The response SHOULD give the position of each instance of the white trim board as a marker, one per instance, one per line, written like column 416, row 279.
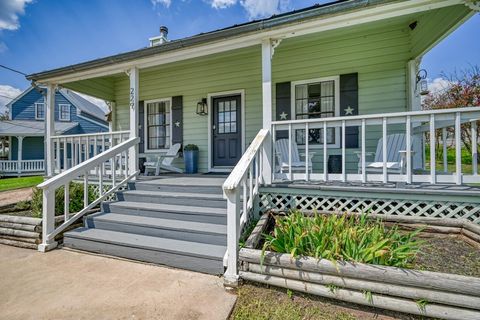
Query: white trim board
column 145, row 127
column 375, row 13
column 210, row 96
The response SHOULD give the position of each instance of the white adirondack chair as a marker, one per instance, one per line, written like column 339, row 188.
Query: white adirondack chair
column 281, row 151
column 164, row 161
column 396, row 155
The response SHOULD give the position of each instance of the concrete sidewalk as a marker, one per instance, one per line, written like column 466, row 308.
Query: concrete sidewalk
column 68, row 285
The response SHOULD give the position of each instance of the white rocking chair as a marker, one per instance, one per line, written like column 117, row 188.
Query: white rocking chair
column 281, row 151
column 396, row 155
column 163, row 162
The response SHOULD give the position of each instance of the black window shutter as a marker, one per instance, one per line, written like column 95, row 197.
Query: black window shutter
column 283, row 107
column 349, row 106
column 141, row 127
column 177, row 119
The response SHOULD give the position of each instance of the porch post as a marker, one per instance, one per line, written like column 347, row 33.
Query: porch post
column 267, row 109
column 134, row 98
column 49, row 128
column 19, row 154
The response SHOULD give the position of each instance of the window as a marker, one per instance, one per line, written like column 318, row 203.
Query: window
column 39, row 111
column 157, row 123
column 316, row 99
column 64, row 112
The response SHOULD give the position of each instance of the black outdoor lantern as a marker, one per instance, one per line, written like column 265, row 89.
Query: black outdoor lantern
column 422, row 83
column 202, row 107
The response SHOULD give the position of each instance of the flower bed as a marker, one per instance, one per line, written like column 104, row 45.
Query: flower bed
column 433, row 294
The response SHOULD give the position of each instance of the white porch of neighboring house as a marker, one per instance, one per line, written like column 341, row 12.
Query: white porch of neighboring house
column 21, row 130
column 404, row 180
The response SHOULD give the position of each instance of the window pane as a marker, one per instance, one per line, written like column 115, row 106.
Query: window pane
column 233, row 127
column 233, row 105
column 221, row 108
column 158, row 124
column 327, row 88
column 301, row 91
column 314, row 90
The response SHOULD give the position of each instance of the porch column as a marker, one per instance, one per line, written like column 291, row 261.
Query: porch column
column 49, row 129
column 134, row 98
column 267, row 109
column 19, row 154
column 414, row 100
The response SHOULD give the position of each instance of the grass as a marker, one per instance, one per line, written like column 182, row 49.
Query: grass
column 342, row 238
column 19, row 183
column 259, row 302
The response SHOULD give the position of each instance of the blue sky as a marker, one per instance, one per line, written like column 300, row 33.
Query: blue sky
column 43, row 34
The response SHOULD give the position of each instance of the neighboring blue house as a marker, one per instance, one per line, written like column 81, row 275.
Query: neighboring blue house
column 26, row 127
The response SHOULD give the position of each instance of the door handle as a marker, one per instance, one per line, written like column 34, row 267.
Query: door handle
column 213, row 127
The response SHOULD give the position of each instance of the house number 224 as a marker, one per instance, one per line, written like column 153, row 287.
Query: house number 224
column 132, row 98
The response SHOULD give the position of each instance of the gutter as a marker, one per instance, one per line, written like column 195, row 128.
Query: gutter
column 222, row 34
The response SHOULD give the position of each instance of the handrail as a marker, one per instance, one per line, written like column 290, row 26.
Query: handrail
column 117, row 170
column 91, row 163
column 107, row 133
column 380, row 115
column 241, row 189
column 235, row 177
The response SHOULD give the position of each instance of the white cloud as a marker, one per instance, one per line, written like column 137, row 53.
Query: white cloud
column 438, row 84
column 7, row 91
column 222, row 4
column 9, row 12
column 264, row 8
column 165, row 3
column 99, row 102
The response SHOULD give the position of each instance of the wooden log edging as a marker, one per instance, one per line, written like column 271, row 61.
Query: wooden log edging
column 447, row 296
column 376, row 300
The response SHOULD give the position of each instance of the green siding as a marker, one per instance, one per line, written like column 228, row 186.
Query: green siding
column 194, row 79
column 379, row 55
column 378, row 52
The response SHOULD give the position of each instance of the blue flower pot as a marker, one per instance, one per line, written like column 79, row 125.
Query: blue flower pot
column 191, row 161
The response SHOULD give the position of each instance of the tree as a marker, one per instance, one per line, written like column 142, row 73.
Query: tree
column 463, row 91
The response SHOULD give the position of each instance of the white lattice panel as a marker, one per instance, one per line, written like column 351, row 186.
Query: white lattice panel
column 418, row 208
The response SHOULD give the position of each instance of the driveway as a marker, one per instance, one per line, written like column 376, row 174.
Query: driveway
column 64, row 284
column 14, row 196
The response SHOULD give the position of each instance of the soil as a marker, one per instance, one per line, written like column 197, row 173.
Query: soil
column 257, row 301
column 449, row 254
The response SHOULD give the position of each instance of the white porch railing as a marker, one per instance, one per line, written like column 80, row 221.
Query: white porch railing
column 22, row 166
column 431, row 125
column 71, row 150
column 242, row 183
column 93, row 173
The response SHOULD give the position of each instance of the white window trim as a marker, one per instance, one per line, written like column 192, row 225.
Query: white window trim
column 145, row 126
column 336, row 79
column 36, row 106
column 60, row 111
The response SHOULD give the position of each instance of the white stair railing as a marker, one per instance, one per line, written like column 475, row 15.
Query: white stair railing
column 242, row 184
column 71, row 150
column 102, row 170
column 409, row 125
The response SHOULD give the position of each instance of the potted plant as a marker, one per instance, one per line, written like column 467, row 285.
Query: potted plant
column 190, row 157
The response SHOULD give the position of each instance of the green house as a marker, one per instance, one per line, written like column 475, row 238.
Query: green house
column 316, row 109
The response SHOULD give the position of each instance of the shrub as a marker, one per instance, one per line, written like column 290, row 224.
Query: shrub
column 342, row 237
column 76, row 199
column 190, row 147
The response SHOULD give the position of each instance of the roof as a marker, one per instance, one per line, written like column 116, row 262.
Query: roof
column 83, row 104
column 309, row 13
column 31, row 128
column 74, row 98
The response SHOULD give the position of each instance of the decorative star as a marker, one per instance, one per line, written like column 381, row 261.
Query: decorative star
column 177, row 124
column 349, row 110
column 283, row 116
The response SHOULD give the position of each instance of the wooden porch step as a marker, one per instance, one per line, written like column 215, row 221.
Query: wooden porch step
column 214, row 200
column 181, row 185
column 189, row 255
column 158, row 227
column 169, row 211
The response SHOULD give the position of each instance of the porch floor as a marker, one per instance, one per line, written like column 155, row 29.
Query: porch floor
column 417, row 188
